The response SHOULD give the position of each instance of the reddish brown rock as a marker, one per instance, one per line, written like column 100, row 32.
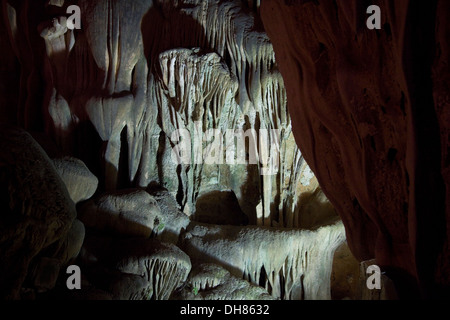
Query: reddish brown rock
column 370, row 114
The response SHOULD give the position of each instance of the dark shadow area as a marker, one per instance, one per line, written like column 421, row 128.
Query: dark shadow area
column 164, row 28
column 10, row 76
column 89, row 150
column 219, row 207
column 428, row 208
column 313, row 210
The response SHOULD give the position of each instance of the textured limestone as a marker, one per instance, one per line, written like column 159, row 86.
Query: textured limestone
column 176, row 221
column 116, row 90
column 369, row 111
column 135, row 268
column 213, row 282
column 127, row 212
column 289, row 263
column 79, row 181
column 113, row 93
column 36, row 207
column 68, row 248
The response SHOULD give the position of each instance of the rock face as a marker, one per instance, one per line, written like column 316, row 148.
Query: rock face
column 36, row 209
column 135, row 268
column 176, row 220
column 126, row 212
column 345, row 275
column 119, row 94
column 370, row 112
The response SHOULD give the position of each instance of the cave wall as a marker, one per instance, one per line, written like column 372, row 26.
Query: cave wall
column 370, row 113
column 369, row 110
column 115, row 92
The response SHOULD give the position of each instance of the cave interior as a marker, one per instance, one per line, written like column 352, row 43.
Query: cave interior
column 224, row 150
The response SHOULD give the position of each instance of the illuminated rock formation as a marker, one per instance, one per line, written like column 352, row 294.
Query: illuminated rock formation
column 289, row 263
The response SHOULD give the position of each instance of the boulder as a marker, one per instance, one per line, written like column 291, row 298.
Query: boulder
column 135, row 268
column 36, row 209
column 68, row 248
column 131, row 212
column 79, row 180
column 176, row 221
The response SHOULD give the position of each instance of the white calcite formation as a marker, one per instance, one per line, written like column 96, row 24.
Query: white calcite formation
column 80, row 182
column 138, row 71
column 131, row 212
column 124, row 92
column 164, row 266
column 175, row 221
column 212, row 282
column 135, row 268
column 289, row 263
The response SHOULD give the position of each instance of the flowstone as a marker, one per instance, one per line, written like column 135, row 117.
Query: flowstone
column 213, row 282
column 291, row 264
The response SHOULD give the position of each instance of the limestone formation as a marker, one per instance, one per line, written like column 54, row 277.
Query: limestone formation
column 68, row 248
column 47, row 266
column 135, row 268
column 370, row 110
column 35, row 205
column 79, row 180
column 290, row 263
column 115, row 92
column 238, row 131
column 213, row 282
column 127, row 212
column 176, row 221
